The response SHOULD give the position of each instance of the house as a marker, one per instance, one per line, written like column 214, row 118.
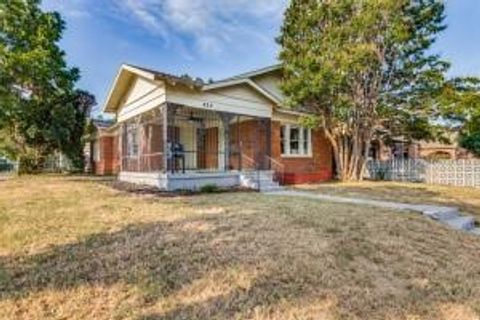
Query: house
column 402, row 149
column 99, row 161
column 179, row 133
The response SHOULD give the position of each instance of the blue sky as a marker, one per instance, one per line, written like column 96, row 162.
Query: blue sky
column 209, row 38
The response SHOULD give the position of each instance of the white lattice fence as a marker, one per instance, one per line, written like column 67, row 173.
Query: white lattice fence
column 463, row 173
column 397, row 170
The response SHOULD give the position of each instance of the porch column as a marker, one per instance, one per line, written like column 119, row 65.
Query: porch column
column 239, row 145
column 164, row 119
column 123, row 152
column 226, row 118
column 267, row 125
column 169, row 111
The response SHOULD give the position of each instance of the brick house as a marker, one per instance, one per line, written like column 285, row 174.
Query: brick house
column 179, row 133
column 401, row 149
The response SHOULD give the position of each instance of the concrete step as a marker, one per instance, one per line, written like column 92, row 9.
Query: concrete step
column 476, row 231
column 267, row 176
column 272, row 188
column 441, row 214
column 265, row 185
column 466, row 223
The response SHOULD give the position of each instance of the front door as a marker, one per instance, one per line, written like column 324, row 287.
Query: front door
column 207, row 148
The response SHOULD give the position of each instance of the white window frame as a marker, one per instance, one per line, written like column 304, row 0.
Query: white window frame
column 302, row 153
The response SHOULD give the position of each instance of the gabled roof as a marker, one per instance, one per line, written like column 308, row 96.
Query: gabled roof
column 158, row 75
column 128, row 71
column 246, row 78
column 256, row 72
column 102, row 123
column 247, row 81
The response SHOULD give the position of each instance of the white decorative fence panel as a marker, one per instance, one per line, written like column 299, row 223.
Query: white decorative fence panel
column 397, row 170
column 464, row 173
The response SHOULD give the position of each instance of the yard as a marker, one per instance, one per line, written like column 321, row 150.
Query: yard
column 72, row 248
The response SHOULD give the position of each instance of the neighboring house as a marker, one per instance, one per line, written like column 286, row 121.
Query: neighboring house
column 400, row 149
column 178, row 133
column 100, row 153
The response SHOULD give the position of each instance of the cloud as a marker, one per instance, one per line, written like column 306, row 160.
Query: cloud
column 213, row 25
column 73, row 9
column 144, row 12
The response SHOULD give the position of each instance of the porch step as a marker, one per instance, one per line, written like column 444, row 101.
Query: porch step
column 272, row 188
column 441, row 214
column 260, row 180
column 262, row 175
column 465, row 223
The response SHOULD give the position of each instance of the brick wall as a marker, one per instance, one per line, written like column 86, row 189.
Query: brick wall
column 249, row 137
column 108, row 158
column 252, row 134
column 317, row 168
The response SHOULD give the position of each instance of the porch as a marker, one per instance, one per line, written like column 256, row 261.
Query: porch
column 178, row 147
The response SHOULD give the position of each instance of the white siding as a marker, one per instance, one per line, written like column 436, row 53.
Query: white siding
column 143, row 95
column 271, row 83
column 240, row 99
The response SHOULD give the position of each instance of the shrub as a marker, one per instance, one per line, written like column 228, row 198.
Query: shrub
column 209, row 188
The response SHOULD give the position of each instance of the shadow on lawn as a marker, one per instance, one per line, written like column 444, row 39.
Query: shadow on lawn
column 160, row 259
column 293, row 261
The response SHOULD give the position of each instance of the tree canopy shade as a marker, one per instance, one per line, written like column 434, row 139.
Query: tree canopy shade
column 365, row 71
column 41, row 110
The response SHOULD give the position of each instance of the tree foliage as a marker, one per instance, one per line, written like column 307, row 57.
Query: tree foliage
column 365, row 70
column 460, row 101
column 41, row 110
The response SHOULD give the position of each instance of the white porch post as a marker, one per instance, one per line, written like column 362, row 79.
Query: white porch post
column 226, row 117
column 164, row 112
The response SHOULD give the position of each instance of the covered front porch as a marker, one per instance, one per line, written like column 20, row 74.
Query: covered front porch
column 176, row 147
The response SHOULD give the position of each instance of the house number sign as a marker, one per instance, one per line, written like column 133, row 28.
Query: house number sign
column 208, row 105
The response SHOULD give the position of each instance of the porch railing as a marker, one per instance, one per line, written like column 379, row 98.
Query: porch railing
column 250, row 167
column 143, row 163
column 278, row 169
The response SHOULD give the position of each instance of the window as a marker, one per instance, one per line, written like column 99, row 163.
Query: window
column 132, row 140
column 295, row 141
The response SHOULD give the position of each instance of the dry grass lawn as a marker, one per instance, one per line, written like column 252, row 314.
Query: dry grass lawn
column 467, row 199
column 78, row 249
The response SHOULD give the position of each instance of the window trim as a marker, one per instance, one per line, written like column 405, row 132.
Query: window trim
column 301, row 141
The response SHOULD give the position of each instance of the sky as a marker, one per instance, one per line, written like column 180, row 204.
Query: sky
column 209, row 38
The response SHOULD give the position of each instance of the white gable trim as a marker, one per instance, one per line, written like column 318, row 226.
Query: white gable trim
column 124, row 68
column 234, row 82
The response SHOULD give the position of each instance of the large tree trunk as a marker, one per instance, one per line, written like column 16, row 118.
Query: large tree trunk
column 350, row 155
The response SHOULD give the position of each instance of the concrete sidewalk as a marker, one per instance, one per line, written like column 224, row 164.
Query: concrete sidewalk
column 446, row 215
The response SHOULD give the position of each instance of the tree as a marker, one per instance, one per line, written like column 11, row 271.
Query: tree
column 41, row 110
column 471, row 141
column 460, row 104
column 365, row 71
column 470, row 135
